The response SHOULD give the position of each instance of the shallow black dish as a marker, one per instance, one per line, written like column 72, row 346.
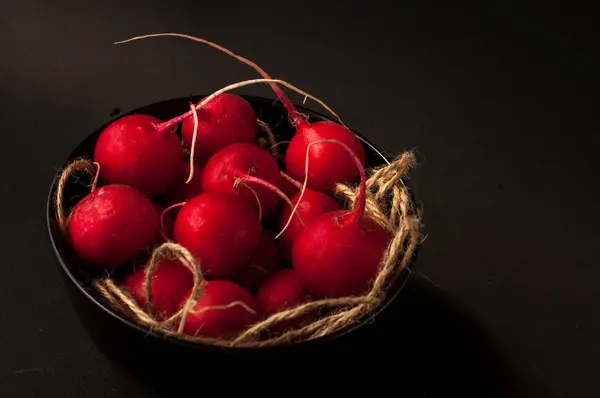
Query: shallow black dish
column 139, row 349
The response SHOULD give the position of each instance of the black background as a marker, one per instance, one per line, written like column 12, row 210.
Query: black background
column 498, row 101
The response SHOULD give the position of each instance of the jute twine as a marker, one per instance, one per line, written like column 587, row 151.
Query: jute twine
column 388, row 203
column 79, row 164
column 268, row 142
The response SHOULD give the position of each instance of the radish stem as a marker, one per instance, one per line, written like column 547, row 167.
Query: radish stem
column 273, row 188
column 292, row 180
column 193, row 150
column 240, row 181
column 176, row 120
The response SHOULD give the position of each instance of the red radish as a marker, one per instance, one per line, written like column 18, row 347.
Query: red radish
column 238, row 161
column 313, row 204
column 170, row 282
column 182, row 190
column 112, row 224
column 221, row 230
column 224, row 120
column 140, row 151
column 329, row 164
column 281, row 291
column 338, row 253
column 223, row 309
column 266, row 260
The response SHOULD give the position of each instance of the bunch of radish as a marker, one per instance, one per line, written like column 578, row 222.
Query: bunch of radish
column 266, row 238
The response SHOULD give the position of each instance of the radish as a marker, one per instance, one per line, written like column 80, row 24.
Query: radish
column 243, row 161
column 221, row 230
column 112, row 224
column 330, row 165
column 170, row 282
column 224, row 120
column 338, row 253
column 140, row 151
column 281, row 291
column 265, row 261
column 223, row 309
column 313, row 204
column 182, row 190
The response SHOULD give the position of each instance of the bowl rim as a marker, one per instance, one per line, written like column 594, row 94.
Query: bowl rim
column 403, row 276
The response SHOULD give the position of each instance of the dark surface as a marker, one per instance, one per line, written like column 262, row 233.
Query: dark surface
column 498, row 102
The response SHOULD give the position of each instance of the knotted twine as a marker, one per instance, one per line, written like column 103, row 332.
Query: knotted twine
column 388, row 203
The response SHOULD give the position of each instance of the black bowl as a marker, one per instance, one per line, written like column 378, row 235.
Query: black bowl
column 139, row 349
